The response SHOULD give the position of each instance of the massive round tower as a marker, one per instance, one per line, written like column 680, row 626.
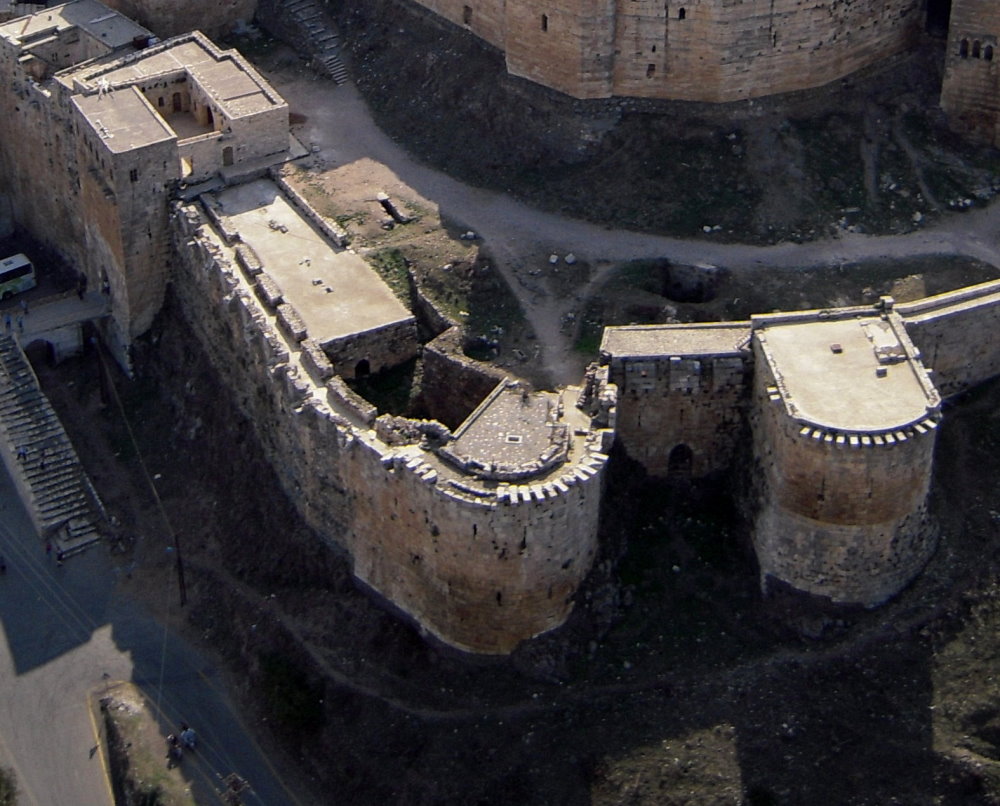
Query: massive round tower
column 844, row 422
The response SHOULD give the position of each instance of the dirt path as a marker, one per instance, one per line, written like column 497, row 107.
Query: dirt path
column 342, row 133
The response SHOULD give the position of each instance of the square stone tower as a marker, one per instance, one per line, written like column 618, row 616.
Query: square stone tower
column 971, row 90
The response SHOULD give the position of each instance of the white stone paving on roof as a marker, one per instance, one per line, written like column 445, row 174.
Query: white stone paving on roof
column 221, row 74
column 358, row 299
column 843, row 390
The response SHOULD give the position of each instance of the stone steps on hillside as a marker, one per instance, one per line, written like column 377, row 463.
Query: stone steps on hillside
column 320, row 37
column 39, row 454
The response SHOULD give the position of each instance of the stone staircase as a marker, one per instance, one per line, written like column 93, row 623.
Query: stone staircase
column 320, row 37
column 52, row 482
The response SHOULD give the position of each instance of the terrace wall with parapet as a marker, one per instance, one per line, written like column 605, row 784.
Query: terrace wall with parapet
column 481, row 569
column 956, row 335
column 842, row 518
column 682, row 416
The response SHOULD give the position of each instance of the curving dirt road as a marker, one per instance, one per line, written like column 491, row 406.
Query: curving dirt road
column 341, row 132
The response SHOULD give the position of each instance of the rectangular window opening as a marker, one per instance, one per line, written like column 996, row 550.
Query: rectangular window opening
column 467, row 15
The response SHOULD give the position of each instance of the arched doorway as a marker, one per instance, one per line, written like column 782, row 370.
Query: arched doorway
column 679, row 462
column 362, row 369
column 227, row 155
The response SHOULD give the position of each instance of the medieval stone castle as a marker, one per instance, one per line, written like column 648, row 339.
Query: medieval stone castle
column 148, row 161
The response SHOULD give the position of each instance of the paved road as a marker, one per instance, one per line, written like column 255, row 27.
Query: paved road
column 63, row 629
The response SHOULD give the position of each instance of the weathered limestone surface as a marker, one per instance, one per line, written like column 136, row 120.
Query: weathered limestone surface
column 971, row 87
column 113, row 123
column 700, row 50
column 482, row 567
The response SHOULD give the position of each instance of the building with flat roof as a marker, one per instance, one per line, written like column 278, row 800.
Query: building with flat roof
column 116, row 121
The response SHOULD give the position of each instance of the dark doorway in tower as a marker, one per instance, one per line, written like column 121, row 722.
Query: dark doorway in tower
column 227, row 155
column 679, row 463
column 938, row 17
column 363, row 369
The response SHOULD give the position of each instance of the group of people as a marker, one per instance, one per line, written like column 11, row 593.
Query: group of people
column 177, row 743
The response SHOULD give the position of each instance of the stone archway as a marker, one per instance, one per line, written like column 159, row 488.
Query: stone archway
column 680, row 462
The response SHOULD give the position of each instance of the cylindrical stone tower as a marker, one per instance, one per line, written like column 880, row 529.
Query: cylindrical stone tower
column 844, row 424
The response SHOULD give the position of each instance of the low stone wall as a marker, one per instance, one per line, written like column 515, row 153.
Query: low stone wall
column 331, row 229
column 481, row 569
column 453, row 384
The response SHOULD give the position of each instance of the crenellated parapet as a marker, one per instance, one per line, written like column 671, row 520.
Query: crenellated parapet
column 481, row 535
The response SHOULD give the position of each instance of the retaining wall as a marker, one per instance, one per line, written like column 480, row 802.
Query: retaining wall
column 698, row 50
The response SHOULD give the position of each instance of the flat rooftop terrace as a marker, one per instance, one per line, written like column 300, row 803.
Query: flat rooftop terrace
column 123, row 119
column 335, row 292
column 650, row 341
column 223, row 75
column 96, row 19
column 852, row 374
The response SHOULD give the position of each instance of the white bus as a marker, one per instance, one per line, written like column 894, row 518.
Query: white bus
column 16, row 275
